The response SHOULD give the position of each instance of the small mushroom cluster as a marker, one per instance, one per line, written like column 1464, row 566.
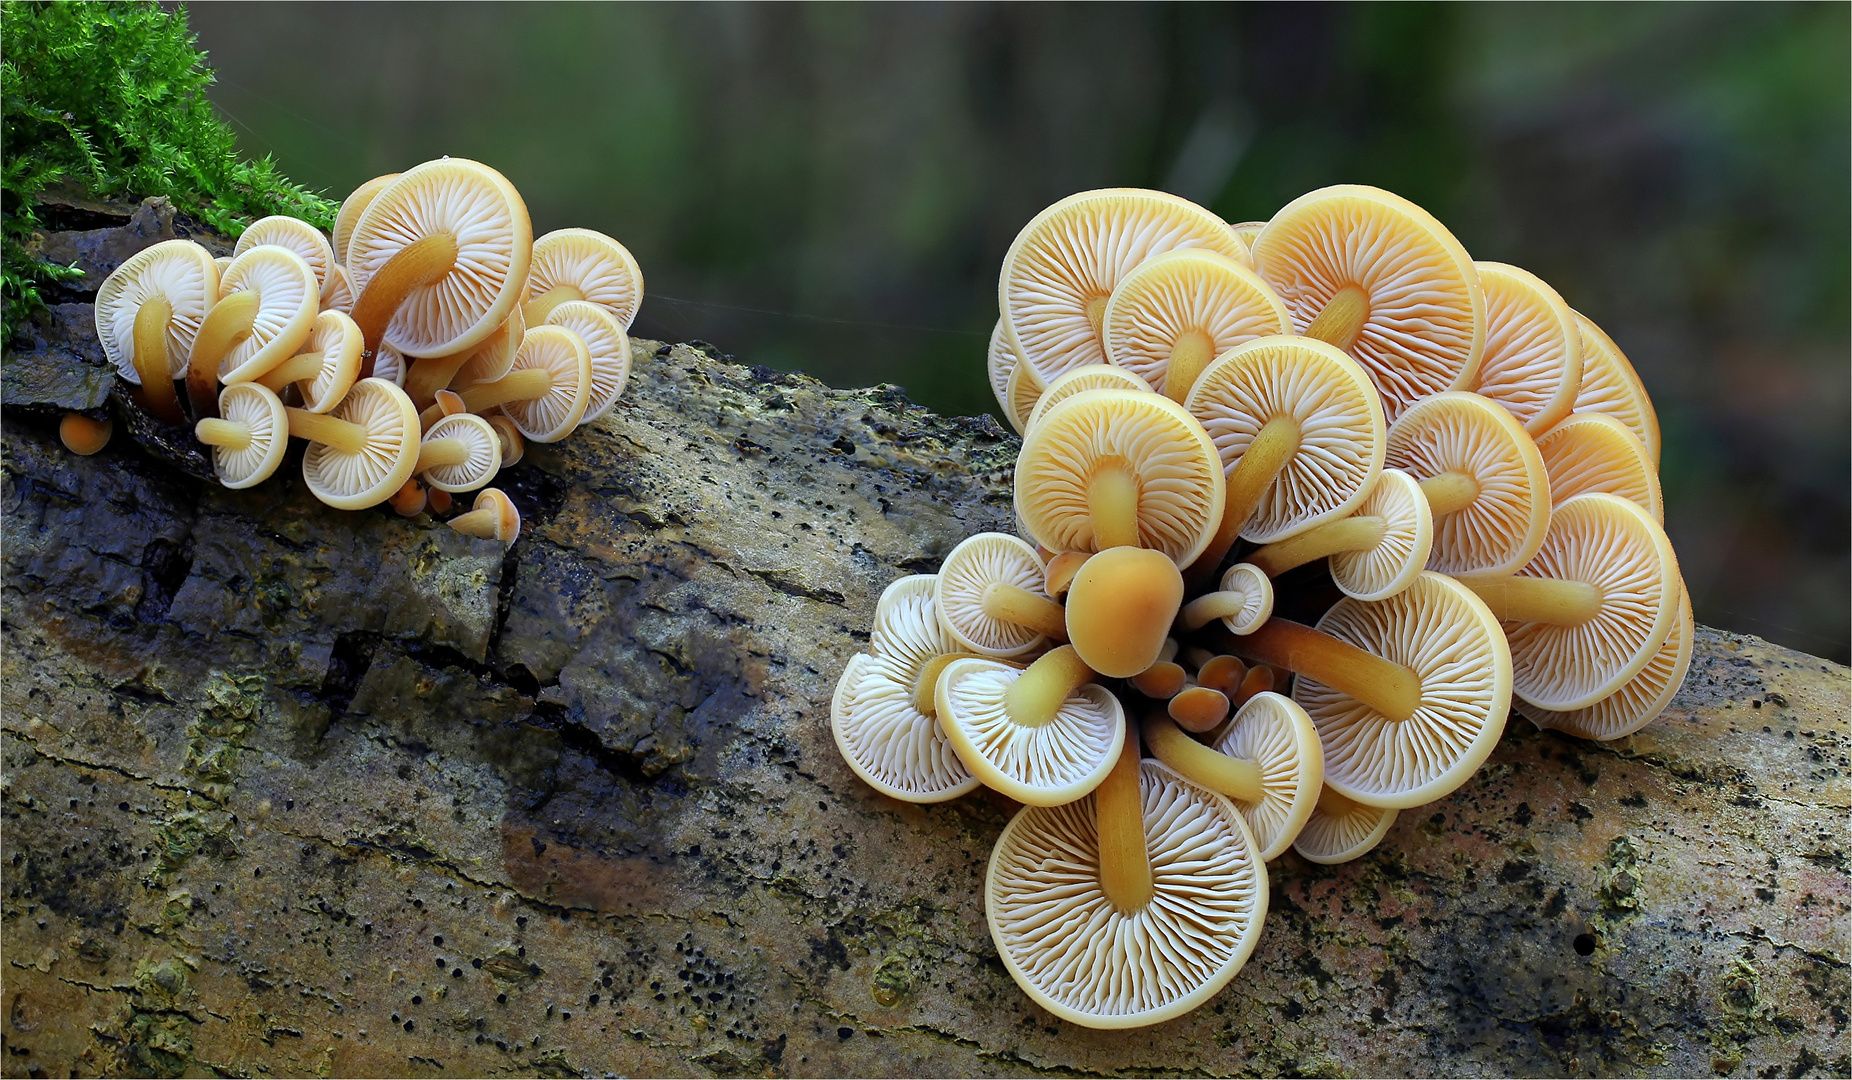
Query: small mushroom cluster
column 415, row 351
column 1206, row 409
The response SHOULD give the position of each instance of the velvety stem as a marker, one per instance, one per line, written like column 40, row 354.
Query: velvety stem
column 1359, row 532
column 1034, row 698
column 1274, row 445
column 150, row 359
column 1211, row 768
column 344, row 435
column 1449, row 492
column 1021, row 607
column 1189, row 355
column 1112, row 503
column 1529, row 599
column 416, row 265
column 430, row 374
column 1389, row 688
column 523, row 385
column 535, row 311
column 229, row 320
column 928, row 679
column 303, row 365
column 437, row 453
column 1342, row 319
column 227, row 433
column 1119, row 815
column 1211, row 606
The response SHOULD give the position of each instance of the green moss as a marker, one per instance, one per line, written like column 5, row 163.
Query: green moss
column 110, row 99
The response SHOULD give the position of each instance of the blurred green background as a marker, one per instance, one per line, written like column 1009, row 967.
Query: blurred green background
column 832, row 187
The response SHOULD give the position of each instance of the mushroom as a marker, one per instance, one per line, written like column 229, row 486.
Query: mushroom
column 1061, row 571
column 1095, row 952
column 1375, row 553
column 1591, row 608
column 388, row 364
column 327, row 367
column 548, row 389
column 1378, row 277
column 990, row 597
column 249, row 436
column 148, row 312
column 491, row 517
column 1609, row 385
column 1197, row 708
column 338, row 293
column 1086, row 377
column 579, row 264
column 1120, row 607
column 438, row 259
column 1044, row 736
column 362, row 451
column 484, row 362
column 1595, row 452
column 1532, row 364
column 513, row 446
column 438, row 501
column 882, row 713
column 84, row 435
column 1175, row 313
column 1483, row 478
column 1063, row 266
column 1246, row 231
column 296, row 235
column 1244, row 602
column 1107, row 468
column 1409, row 694
column 1000, row 364
column 608, row 345
column 1636, row 704
column 1340, row 830
column 1268, row 762
column 349, row 214
column 265, row 311
column 1299, row 430
column 410, row 500
column 1025, row 392
column 459, row 453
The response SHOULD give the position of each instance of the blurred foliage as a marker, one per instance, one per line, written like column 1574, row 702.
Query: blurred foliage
column 110, row 99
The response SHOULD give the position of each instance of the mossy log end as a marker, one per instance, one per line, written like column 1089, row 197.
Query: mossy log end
column 296, row 791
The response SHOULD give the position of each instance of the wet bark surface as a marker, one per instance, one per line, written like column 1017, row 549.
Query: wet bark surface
column 295, row 791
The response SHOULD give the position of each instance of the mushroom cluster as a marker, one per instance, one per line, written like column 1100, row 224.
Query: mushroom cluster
column 415, row 351
column 1442, row 472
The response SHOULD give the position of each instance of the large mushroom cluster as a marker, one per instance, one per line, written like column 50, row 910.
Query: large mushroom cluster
column 415, row 351
column 1337, row 411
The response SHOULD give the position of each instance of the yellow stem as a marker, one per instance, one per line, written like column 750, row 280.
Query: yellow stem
column 1342, row 319
column 436, row 453
column 1119, row 815
column 1389, row 688
column 1034, row 698
column 150, row 359
column 535, row 311
column 523, row 385
column 1211, row 768
column 1540, row 600
column 229, row 320
column 928, row 678
column 303, row 365
column 1450, row 491
column 1209, row 606
column 416, row 265
column 1023, row 608
column 230, row 434
column 1360, row 532
column 1273, row 446
column 1112, row 502
column 431, row 374
column 344, row 435
column 1189, row 355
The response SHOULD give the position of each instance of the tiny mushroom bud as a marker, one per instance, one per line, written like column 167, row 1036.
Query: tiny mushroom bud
column 1198, row 709
column 410, row 500
column 438, row 501
column 1163, row 680
column 492, row 517
column 84, row 435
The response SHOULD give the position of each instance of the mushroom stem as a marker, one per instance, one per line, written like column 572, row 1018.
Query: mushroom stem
column 230, row 434
column 522, row 385
column 1233, row 777
column 1360, row 532
column 927, row 680
column 1034, row 698
column 1211, row 606
column 436, row 453
column 344, row 435
column 1112, row 502
column 1342, row 318
column 535, row 311
column 1385, row 686
column 157, row 380
column 416, row 265
column 1188, row 357
column 1450, row 491
column 1023, row 608
column 431, row 374
column 303, row 365
column 1529, row 599
column 1119, row 816
column 1274, row 445
column 230, row 319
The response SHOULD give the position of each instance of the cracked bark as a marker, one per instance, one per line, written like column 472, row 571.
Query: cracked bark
column 295, row 791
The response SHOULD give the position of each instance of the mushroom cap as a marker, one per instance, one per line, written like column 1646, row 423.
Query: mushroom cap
column 1246, row 231
column 1025, row 390
column 1330, row 838
column 357, row 481
column 507, row 517
column 1408, row 540
column 1462, row 432
column 84, row 435
column 1465, row 673
column 485, row 453
column 1080, row 379
column 1257, row 589
column 513, row 446
column 287, row 303
column 1048, row 765
column 552, row 416
column 1609, row 543
column 1066, row 262
column 972, row 567
column 1090, row 964
column 1595, row 452
column 262, row 414
column 484, row 213
column 1121, row 604
column 1340, row 422
column 1532, row 364
column 493, row 357
column 298, row 236
column 609, row 347
column 1179, row 292
column 338, row 293
column 1425, row 326
column 1180, row 488
column 1610, row 385
column 390, row 365
column 179, row 271
column 596, row 265
column 898, row 750
column 351, row 208
column 334, row 333
column 1640, row 701
column 221, row 261
column 1000, row 363
column 1276, row 734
